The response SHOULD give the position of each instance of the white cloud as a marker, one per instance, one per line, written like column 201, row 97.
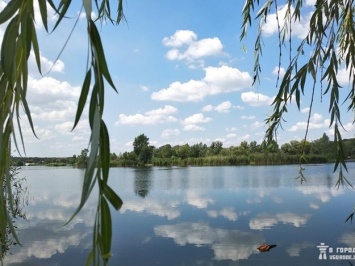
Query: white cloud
column 47, row 90
column 181, row 37
column 217, row 80
column 196, row 119
column 59, row 110
column 185, row 46
column 153, row 117
column 223, row 107
column 303, row 125
column 193, row 128
column 208, row 108
column 305, row 110
column 315, row 118
column 343, row 77
column 170, row 133
column 256, row 99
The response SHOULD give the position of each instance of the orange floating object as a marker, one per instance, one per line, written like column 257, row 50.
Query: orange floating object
column 265, row 247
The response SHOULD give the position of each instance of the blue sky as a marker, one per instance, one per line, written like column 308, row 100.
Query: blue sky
column 182, row 74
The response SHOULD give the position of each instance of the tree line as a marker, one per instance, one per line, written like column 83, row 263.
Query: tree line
column 321, row 150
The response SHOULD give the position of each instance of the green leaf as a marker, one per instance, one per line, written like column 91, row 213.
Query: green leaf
column 61, row 11
column 27, row 111
column 88, row 8
column 106, row 229
column 43, row 10
column 298, row 99
column 9, row 10
column 96, row 42
column 90, row 258
column 83, row 96
column 8, row 48
column 104, row 151
column 36, row 48
column 111, row 196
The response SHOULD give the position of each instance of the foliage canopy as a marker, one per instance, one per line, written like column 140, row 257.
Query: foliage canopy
column 328, row 46
column 19, row 40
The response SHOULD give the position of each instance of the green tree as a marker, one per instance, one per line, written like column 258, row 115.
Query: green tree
column 244, row 147
column 216, row 147
column 316, row 59
column 82, row 159
column 164, row 151
column 321, row 145
column 183, row 151
column 142, row 150
column 195, row 150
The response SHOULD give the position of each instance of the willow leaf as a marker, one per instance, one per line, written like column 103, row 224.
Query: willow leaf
column 89, row 258
column 298, row 99
column 104, row 151
column 61, row 11
column 88, row 8
column 8, row 47
column 36, row 48
column 112, row 197
column 43, row 10
column 10, row 10
column 92, row 106
column 96, row 42
column 106, row 229
column 83, row 96
column 28, row 113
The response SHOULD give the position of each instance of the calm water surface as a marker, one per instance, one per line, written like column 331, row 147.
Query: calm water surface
column 192, row 216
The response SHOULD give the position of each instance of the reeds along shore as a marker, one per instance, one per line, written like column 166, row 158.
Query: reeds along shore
column 218, row 160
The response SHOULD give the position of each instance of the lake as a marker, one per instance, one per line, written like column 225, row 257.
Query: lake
column 193, row 216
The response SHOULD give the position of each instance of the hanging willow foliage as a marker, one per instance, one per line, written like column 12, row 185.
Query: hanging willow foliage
column 19, row 40
column 330, row 44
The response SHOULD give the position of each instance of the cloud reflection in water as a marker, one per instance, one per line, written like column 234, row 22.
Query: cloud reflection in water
column 226, row 244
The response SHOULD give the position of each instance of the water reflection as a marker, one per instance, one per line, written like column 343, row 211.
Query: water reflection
column 226, row 244
column 196, row 215
column 43, row 235
column 295, row 249
column 324, row 194
column 142, row 181
column 228, row 213
column 168, row 209
column 198, row 199
column 267, row 220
